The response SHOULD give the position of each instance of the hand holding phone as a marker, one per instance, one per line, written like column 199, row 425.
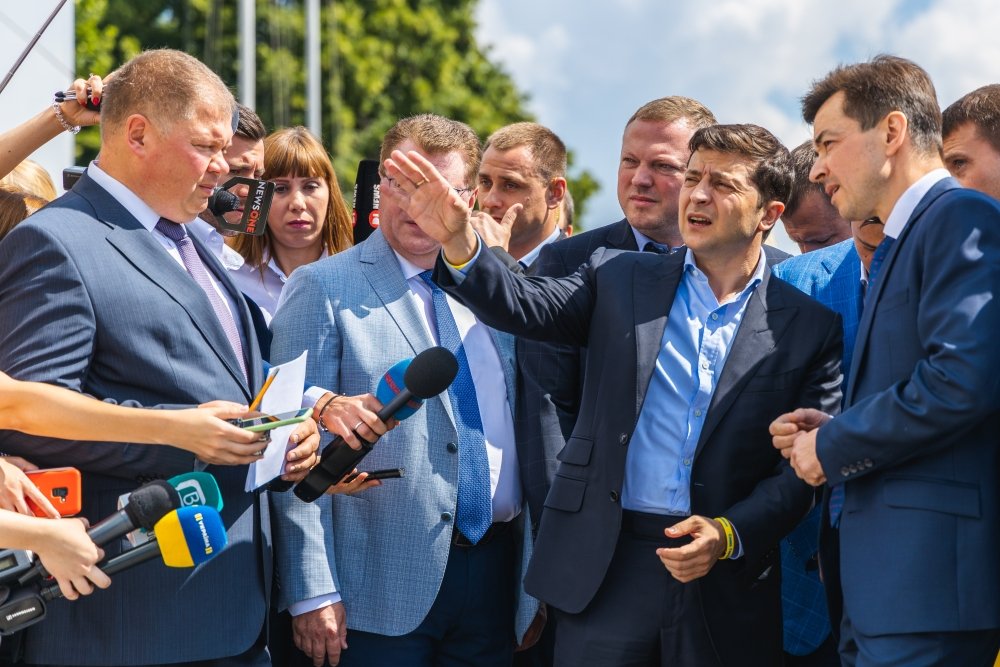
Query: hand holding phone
column 263, row 423
column 62, row 488
column 387, row 473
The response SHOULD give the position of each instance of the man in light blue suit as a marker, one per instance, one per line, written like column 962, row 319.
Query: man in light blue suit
column 395, row 564
column 103, row 292
column 911, row 464
column 834, row 276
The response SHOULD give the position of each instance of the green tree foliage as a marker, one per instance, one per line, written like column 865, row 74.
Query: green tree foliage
column 381, row 60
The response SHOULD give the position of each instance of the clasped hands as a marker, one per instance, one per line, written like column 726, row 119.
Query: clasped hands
column 794, row 435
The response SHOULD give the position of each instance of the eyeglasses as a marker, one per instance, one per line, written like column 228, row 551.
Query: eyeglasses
column 461, row 192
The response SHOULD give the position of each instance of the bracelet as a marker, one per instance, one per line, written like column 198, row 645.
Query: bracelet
column 72, row 129
column 727, row 528
column 319, row 417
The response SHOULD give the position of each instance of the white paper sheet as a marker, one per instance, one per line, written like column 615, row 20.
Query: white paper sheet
column 284, row 395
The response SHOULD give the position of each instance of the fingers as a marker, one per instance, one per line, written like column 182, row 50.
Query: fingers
column 353, row 483
column 353, row 417
column 685, row 527
column 511, row 215
column 41, row 501
column 405, row 172
column 22, row 464
column 301, row 456
column 224, row 409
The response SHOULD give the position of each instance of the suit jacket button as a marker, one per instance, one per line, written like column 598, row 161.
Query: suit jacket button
column 868, row 463
column 614, row 496
column 844, row 472
column 623, row 438
column 853, row 468
column 452, row 447
column 446, row 516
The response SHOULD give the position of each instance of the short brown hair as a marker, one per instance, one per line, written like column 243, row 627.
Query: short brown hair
column 675, row 108
column 803, row 159
column 15, row 206
column 435, row 135
column 772, row 172
column 250, row 126
column 295, row 152
column 548, row 151
column 981, row 107
column 163, row 85
column 878, row 87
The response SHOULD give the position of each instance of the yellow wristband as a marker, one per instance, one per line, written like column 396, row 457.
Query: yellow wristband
column 727, row 528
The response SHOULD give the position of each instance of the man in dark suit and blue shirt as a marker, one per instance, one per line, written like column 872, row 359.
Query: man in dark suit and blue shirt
column 687, row 355
column 105, row 292
column 912, row 462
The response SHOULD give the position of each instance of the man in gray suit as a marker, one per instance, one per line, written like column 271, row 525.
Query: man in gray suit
column 105, row 293
column 420, row 575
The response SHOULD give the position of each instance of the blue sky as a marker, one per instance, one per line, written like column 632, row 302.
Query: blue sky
column 588, row 66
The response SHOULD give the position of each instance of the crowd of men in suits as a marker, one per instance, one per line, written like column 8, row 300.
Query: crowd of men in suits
column 667, row 442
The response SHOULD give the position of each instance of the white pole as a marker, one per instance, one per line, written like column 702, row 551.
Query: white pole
column 247, row 19
column 314, row 99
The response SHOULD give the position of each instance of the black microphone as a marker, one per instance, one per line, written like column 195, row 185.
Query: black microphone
column 223, row 201
column 428, row 375
column 147, row 505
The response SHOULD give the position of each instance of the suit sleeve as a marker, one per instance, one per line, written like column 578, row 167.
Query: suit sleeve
column 956, row 384
column 49, row 334
column 538, row 308
column 780, row 501
column 303, row 532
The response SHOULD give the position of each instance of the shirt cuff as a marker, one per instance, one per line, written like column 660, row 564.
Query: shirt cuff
column 458, row 271
column 312, row 604
column 738, row 551
column 312, row 395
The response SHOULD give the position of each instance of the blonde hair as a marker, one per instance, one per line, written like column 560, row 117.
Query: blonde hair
column 435, row 135
column 295, row 152
column 31, row 177
column 548, row 152
column 15, row 206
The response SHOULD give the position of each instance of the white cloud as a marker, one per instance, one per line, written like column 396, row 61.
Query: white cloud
column 588, row 67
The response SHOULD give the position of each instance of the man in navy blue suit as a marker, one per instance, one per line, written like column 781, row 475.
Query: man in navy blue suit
column 912, row 462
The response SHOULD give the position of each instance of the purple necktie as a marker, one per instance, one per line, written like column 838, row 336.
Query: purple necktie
column 196, row 269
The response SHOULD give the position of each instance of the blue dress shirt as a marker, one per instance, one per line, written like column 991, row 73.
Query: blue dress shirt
column 693, row 351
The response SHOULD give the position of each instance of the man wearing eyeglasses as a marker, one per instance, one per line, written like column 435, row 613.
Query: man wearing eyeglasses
column 412, row 573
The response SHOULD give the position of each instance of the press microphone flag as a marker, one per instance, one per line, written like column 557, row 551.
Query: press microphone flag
column 366, row 200
column 426, row 376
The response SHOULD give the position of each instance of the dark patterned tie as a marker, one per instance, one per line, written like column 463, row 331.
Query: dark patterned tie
column 196, row 269
column 658, row 248
column 475, row 508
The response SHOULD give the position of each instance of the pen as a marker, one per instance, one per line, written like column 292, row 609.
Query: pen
column 260, row 394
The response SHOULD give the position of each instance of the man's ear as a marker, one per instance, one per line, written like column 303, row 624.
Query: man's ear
column 769, row 215
column 894, row 129
column 555, row 192
column 138, row 133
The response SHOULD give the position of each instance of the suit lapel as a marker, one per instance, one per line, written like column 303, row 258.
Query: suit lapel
column 149, row 258
column 621, row 236
column 874, row 295
column 764, row 321
column 653, row 293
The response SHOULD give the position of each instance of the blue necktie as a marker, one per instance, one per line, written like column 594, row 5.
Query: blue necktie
column 837, row 492
column 877, row 258
column 475, row 509
column 658, row 248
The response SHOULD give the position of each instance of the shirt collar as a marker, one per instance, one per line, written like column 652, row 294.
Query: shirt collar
column 216, row 243
column 641, row 240
column 908, row 201
column 531, row 256
column 691, row 270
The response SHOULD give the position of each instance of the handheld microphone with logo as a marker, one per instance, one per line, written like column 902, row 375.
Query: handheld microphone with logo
column 185, row 537
column 366, row 200
column 194, row 488
column 426, row 376
column 147, row 505
column 255, row 208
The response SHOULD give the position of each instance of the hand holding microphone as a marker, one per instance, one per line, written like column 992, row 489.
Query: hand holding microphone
column 407, row 384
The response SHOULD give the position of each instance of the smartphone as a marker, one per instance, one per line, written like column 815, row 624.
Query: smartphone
column 61, row 486
column 268, row 422
column 388, row 473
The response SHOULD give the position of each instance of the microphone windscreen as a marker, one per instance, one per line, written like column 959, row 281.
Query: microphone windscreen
column 366, row 200
column 223, row 201
column 431, row 372
column 190, row 536
column 198, row 488
column 391, row 384
column 149, row 503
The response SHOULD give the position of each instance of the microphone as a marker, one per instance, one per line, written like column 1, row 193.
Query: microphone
column 147, row 505
column 366, row 200
column 426, row 376
column 185, row 537
column 223, row 201
column 198, row 488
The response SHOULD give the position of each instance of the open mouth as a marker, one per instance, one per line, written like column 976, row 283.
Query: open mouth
column 696, row 220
